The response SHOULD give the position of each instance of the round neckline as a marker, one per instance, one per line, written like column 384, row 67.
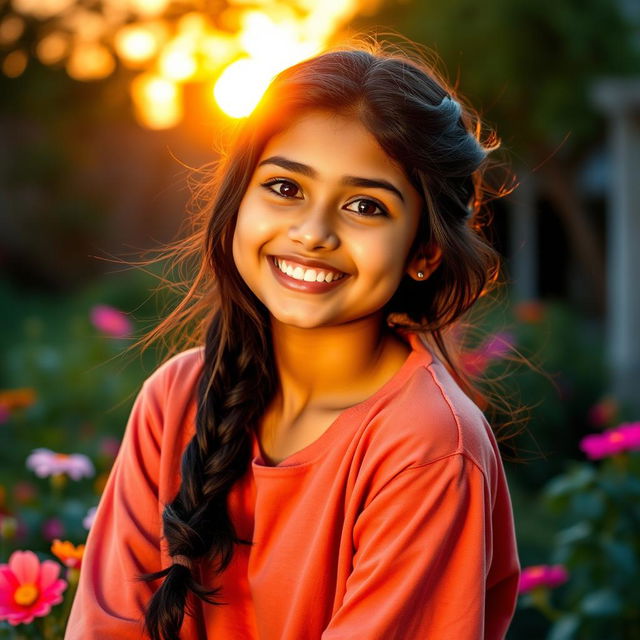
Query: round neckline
column 420, row 353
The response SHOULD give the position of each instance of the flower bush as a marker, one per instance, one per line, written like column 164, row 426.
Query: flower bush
column 596, row 552
column 56, row 395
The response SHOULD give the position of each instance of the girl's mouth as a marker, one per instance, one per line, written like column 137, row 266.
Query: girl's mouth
column 300, row 278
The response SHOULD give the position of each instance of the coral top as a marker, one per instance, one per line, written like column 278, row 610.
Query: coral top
column 395, row 524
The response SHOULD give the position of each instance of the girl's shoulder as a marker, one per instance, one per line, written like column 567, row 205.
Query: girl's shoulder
column 427, row 418
column 179, row 369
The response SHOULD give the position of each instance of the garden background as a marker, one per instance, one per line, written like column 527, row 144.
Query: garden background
column 108, row 115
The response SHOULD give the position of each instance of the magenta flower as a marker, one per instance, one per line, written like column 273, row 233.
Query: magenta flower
column 28, row 588
column 630, row 432
column 5, row 414
column 45, row 462
column 542, row 576
column 89, row 518
column 498, row 345
column 110, row 321
column 625, row 437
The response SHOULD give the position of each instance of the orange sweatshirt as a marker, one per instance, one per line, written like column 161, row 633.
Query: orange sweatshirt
column 395, row 524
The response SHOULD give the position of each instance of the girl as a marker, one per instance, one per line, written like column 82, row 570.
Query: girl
column 314, row 470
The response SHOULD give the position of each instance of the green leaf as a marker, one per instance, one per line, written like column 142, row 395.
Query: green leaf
column 565, row 627
column 578, row 478
column 588, row 505
column 603, row 602
column 579, row 531
column 621, row 555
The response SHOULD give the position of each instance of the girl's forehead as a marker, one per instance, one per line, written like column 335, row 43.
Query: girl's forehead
column 333, row 141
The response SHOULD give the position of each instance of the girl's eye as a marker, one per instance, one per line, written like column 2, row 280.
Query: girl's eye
column 290, row 186
column 370, row 204
column 367, row 210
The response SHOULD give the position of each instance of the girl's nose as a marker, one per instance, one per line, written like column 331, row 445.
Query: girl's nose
column 314, row 232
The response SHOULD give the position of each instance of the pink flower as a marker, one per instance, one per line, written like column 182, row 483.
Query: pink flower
column 45, row 462
column 542, row 576
column 625, row 437
column 89, row 518
column 495, row 347
column 5, row 414
column 110, row 321
column 28, row 588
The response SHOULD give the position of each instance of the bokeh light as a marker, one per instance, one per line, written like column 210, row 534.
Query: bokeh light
column 233, row 52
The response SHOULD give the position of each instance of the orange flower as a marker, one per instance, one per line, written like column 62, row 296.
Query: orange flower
column 67, row 553
column 17, row 398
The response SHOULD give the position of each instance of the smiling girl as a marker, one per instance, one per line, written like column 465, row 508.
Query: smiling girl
column 316, row 469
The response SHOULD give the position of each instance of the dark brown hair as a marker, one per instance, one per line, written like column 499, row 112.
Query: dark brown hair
column 437, row 139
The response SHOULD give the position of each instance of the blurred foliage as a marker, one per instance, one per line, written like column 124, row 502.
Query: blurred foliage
column 554, row 376
column 84, row 384
column 527, row 64
column 597, row 511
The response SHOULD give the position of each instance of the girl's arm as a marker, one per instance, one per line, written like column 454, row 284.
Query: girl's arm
column 124, row 539
column 435, row 558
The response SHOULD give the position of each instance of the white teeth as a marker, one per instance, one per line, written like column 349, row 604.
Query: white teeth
column 307, row 275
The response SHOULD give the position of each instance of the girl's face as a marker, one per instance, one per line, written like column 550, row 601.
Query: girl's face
column 327, row 200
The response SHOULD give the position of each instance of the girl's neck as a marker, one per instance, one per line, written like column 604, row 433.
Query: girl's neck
column 332, row 367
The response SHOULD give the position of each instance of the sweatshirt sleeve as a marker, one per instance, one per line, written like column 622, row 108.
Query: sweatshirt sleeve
column 124, row 539
column 423, row 550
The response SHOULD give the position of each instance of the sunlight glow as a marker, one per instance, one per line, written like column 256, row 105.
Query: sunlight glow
column 157, row 101
column 15, row 63
column 90, row 61
column 42, row 9
column 236, row 47
column 11, row 28
column 53, row 47
column 240, row 87
column 177, row 63
column 137, row 44
column 147, row 7
column 271, row 48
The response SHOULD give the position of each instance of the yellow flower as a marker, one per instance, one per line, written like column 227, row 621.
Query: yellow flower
column 67, row 553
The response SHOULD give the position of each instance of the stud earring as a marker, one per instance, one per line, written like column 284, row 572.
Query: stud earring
column 420, row 274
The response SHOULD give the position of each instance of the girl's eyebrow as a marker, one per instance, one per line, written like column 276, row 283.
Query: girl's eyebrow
column 353, row 181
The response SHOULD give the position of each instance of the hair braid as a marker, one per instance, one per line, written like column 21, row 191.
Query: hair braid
column 232, row 394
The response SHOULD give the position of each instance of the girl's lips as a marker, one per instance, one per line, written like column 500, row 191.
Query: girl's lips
column 303, row 285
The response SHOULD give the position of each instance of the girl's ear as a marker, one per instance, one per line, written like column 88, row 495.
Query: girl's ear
column 425, row 263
